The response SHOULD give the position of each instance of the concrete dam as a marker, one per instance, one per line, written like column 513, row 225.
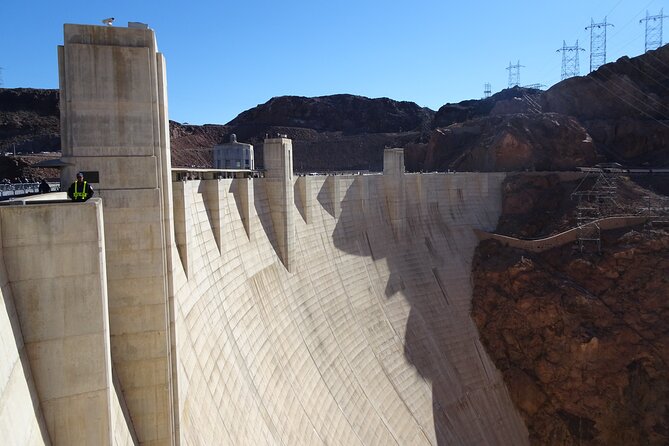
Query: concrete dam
column 280, row 310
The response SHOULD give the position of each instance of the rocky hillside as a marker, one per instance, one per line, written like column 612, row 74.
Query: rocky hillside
column 341, row 132
column 29, row 120
column 582, row 340
column 511, row 142
column 618, row 113
column 623, row 107
column 337, row 113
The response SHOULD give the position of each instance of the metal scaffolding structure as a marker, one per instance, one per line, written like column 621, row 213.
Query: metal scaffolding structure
column 537, row 86
column 596, row 198
column 597, row 43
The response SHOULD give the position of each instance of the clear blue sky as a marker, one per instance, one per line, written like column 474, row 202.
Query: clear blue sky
column 224, row 57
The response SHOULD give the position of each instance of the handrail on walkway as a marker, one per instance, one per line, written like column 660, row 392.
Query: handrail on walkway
column 568, row 236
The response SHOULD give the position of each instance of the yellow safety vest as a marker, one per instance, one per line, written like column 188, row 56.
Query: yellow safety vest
column 78, row 194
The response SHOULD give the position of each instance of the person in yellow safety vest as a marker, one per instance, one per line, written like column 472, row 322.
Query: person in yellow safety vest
column 80, row 190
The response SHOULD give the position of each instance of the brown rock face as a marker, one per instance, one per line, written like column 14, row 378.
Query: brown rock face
column 623, row 105
column 342, row 112
column 583, row 344
column 29, row 120
column 545, row 141
column 582, row 340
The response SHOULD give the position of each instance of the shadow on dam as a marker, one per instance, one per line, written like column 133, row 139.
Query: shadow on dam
column 426, row 255
column 364, row 339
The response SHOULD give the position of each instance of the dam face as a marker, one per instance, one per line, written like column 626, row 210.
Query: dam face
column 277, row 310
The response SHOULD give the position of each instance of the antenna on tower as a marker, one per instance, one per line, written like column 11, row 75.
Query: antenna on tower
column 570, row 66
column 597, row 43
column 514, row 74
column 487, row 90
column 653, row 30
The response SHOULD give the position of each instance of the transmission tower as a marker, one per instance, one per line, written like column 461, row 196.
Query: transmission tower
column 570, row 66
column 487, row 90
column 597, row 43
column 514, row 74
column 653, row 30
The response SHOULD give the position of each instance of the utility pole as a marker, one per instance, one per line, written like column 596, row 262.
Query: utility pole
column 597, row 43
column 487, row 90
column 514, row 74
column 653, row 30
column 570, row 66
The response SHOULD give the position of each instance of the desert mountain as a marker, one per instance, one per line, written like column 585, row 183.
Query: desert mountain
column 618, row 113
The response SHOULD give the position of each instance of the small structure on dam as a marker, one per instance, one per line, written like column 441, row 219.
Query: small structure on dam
column 277, row 310
column 234, row 155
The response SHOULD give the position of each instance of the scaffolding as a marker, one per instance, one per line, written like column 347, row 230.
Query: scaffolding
column 595, row 198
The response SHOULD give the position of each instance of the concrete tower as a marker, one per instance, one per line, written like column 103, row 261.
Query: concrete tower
column 114, row 127
column 278, row 154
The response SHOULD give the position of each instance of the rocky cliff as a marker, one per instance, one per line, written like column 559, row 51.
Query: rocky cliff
column 342, row 112
column 582, row 340
column 511, row 142
column 29, row 120
column 340, row 132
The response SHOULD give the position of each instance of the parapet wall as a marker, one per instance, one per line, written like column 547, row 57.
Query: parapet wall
column 56, row 376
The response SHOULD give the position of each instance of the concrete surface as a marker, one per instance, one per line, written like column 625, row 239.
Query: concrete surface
column 367, row 340
column 280, row 310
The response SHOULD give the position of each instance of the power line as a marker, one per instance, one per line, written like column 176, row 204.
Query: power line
column 597, row 43
column 619, row 97
column 614, row 7
column 639, row 12
column 648, row 100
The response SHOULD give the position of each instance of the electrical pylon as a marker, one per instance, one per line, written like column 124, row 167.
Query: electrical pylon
column 514, row 74
column 653, row 30
column 570, row 67
column 597, row 43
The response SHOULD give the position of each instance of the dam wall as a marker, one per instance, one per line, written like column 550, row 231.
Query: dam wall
column 366, row 340
column 276, row 310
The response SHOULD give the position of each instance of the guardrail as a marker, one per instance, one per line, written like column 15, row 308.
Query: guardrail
column 19, row 189
column 568, row 236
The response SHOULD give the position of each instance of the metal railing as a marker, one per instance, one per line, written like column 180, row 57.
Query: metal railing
column 19, row 189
